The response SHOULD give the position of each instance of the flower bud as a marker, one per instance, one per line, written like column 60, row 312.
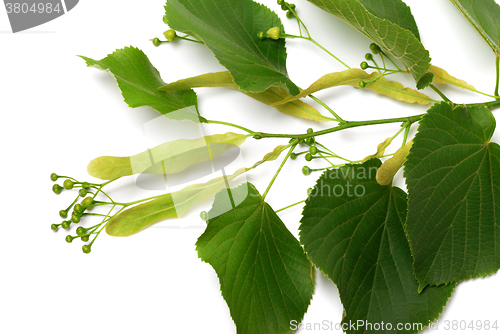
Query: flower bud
column 375, row 48
column 274, row 33
column 57, row 189
column 86, row 249
column 79, row 208
column 65, row 224
column 68, row 184
column 63, row 214
column 87, row 201
column 170, row 35
column 80, row 231
column 204, row 215
column 306, row 170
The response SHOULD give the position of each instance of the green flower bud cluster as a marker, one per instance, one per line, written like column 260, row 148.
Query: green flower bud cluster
column 79, row 209
column 288, row 7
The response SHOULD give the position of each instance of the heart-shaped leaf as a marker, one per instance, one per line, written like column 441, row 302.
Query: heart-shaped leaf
column 484, row 15
column 453, row 178
column 229, row 29
column 265, row 276
column 395, row 11
column 397, row 41
column 352, row 228
column 139, row 80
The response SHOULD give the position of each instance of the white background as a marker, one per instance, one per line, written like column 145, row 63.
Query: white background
column 57, row 115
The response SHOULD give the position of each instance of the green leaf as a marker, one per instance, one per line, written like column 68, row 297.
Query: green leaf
column 139, row 80
column 167, row 158
column 484, row 15
column 229, row 29
column 397, row 41
column 453, row 178
column 265, row 276
column 270, row 96
column 172, row 205
column 395, row 11
column 425, row 81
column 352, row 228
column 352, row 77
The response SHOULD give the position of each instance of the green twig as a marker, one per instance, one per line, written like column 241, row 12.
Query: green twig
column 279, row 169
column 233, row 125
column 289, row 206
column 440, row 93
column 498, row 77
column 338, row 118
column 343, row 126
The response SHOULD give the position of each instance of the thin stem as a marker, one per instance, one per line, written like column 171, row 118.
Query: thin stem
column 392, row 138
column 393, row 63
column 343, row 126
column 331, row 54
column 189, row 39
column 289, row 206
column 298, row 20
column 338, row 118
column 334, row 155
column 407, row 131
column 322, row 156
column 383, row 60
column 312, row 40
column 440, row 93
column 279, row 169
column 498, row 76
column 492, row 104
column 233, row 125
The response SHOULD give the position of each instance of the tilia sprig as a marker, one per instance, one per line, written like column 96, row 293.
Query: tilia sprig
column 395, row 255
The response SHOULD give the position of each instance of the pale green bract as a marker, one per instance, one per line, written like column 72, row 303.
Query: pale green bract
column 171, row 205
column 167, row 158
column 265, row 275
column 270, row 96
column 397, row 41
column 139, row 80
column 229, row 29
